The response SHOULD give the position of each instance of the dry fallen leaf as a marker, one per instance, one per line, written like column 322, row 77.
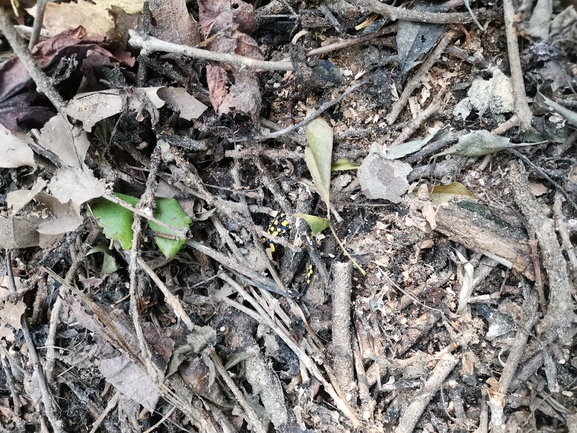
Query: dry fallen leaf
column 68, row 143
column 94, row 17
column 14, row 150
column 63, row 216
column 538, row 188
column 173, row 22
column 79, row 186
column 11, row 313
column 188, row 106
column 92, row 107
column 217, row 15
column 242, row 96
column 18, row 232
column 130, row 380
column 20, row 198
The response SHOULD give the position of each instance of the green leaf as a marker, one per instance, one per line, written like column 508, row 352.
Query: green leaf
column 109, row 264
column 169, row 212
column 316, row 224
column 344, row 164
column 318, row 155
column 115, row 220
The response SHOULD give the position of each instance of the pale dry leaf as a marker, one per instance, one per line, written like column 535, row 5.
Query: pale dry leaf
column 64, row 217
column 18, row 232
column 5, row 283
column 188, row 106
column 217, row 15
column 90, row 108
column 430, row 214
column 6, row 333
column 59, row 17
column 243, row 96
column 4, row 292
column 79, row 186
column 144, row 100
column 152, row 93
column 217, row 86
column 94, row 17
column 129, row 6
column 14, row 150
column 11, row 313
column 62, row 224
column 69, row 143
column 20, row 198
column 130, row 380
column 538, row 188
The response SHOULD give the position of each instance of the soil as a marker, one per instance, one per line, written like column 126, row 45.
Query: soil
column 446, row 305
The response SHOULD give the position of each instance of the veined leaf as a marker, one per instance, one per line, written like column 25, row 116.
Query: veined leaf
column 316, row 224
column 116, row 220
column 169, row 212
column 344, row 164
column 318, row 155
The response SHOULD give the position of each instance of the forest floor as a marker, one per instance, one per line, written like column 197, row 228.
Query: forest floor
column 325, row 217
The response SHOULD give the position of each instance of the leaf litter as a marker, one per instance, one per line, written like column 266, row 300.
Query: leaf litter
column 454, row 288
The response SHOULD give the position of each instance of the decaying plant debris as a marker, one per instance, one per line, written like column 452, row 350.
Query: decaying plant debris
column 145, row 149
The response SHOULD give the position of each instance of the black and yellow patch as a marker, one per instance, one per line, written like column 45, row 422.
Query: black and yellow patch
column 279, row 227
column 310, row 272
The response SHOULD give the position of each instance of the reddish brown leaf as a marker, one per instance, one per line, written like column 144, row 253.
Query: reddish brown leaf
column 217, row 15
column 173, row 22
column 217, row 83
column 242, row 96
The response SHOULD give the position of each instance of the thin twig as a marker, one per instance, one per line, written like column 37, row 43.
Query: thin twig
column 251, row 415
column 170, row 298
column 564, row 234
column 434, row 107
column 415, row 81
column 529, row 319
column 10, row 380
column 432, row 148
column 538, row 170
column 152, row 44
column 33, row 357
column 275, row 153
column 147, row 205
column 55, row 313
column 341, row 404
column 43, row 83
column 192, row 184
column 324, row 107
column 422, row 398
column 341, row 347
column 351, row 42
column 522, row 109
column 560, row 313
column 402, row 14
column 111, row 405
column 254, row 277
column 34, row 37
